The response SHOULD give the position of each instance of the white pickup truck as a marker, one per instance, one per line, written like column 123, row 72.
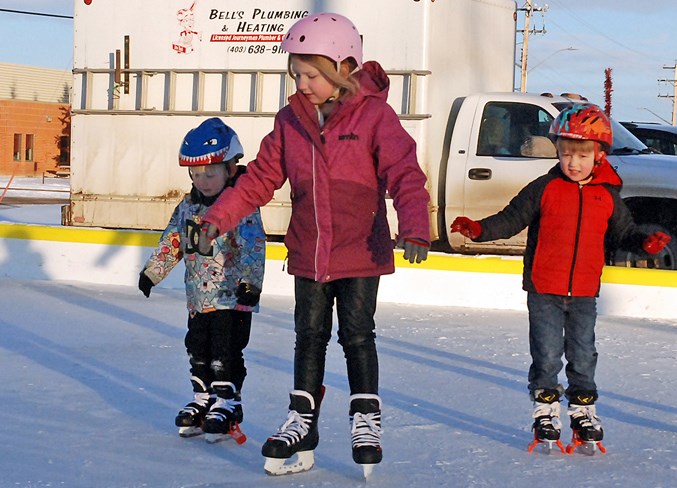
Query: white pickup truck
column 497, row 142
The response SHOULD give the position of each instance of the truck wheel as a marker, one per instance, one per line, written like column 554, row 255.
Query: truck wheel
column 666, row 259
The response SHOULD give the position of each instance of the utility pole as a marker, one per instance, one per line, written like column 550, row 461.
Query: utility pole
column 674, row 91
column 528, row 10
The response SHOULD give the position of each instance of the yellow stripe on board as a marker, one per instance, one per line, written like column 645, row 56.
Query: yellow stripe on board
column 440, row 262
column 79, row 235
column 503, row 265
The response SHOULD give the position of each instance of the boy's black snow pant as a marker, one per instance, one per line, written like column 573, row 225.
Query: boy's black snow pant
column 355, row 306
column 215, row 342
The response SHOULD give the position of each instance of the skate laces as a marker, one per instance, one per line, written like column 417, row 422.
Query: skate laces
column 200, row 402
column 366, row 429
column 223, row 408
column 295, row 428
column 585, row 416
column 548, row 414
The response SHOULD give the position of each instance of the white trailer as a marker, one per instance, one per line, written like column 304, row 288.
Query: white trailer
column 148, row 71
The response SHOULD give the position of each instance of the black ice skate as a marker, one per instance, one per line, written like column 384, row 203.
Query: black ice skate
column 365, row 422
column 586, row 427
column 298, row 435
column 190, row 418
column 224, row 417
column 547, row 425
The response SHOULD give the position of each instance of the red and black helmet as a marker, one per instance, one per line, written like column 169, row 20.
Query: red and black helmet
column 583, row 121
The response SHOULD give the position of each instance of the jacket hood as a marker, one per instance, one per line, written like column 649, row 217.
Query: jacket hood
column 602, row 174
column 373, row 80
column 605, row 173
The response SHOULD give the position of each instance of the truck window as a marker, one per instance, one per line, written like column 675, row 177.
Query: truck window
column 511, row 129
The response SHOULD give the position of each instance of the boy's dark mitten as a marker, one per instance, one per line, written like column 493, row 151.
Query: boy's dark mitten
column 247, row 294
column 145, row 283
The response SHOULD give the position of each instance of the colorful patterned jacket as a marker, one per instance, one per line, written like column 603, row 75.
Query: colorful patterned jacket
column 211, row 281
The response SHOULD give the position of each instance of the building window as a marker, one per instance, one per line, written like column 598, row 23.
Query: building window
column 17, row 147
column 30, row 139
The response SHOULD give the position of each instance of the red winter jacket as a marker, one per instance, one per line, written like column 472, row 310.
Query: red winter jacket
column 569, row 226
column 339, row 175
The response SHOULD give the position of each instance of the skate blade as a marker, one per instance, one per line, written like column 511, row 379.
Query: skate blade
column 367, row 470
column 586, row 447
column 589, row 448
column 301, row 461
column 237, row 434
column 214, row 438
column 191, row 431
column 548, row 445
column 234, row 433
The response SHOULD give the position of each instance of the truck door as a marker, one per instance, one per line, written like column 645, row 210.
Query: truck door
column 512, row 148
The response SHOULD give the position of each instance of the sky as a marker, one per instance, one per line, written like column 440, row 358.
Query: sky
column 635, row 41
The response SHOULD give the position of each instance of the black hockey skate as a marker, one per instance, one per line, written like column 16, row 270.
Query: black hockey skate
column 224, row 417
column 365, row 422
column 587, row 429
column 298, row 435
column 190, row 418
column 547, row 425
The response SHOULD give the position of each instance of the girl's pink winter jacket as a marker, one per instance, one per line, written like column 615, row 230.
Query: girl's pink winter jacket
column 339, row 175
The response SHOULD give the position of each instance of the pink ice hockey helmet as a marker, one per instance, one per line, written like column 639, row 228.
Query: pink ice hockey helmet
column 327, row 34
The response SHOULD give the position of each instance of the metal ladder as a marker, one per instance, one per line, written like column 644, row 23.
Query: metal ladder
column 209, row 92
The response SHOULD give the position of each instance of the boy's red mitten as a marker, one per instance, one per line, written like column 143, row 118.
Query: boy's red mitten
column 655, row 243
column 467, row 227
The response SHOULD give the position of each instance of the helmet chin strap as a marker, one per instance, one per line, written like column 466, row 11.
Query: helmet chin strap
column 598, row 159
column 334, row 96
column 337, row 90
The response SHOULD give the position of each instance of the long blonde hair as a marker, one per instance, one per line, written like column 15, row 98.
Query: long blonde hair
column 327, row 68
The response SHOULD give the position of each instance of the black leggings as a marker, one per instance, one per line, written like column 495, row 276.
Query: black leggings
column 215, row 342
column 355, row 306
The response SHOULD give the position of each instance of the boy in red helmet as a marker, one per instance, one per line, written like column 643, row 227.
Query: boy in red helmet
column 572, row 212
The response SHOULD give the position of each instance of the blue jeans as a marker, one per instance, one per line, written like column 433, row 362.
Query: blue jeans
column 562, row 326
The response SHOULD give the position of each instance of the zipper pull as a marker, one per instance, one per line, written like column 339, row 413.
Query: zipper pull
column 322, row 137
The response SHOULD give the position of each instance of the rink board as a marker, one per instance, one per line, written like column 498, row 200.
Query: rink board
column 115, row 257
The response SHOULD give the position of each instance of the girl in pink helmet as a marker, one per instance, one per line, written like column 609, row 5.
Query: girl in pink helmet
column 342, row 147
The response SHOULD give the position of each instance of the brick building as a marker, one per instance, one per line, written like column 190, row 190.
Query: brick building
column 34, row 120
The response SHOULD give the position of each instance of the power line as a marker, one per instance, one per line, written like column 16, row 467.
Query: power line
column 23, row 12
